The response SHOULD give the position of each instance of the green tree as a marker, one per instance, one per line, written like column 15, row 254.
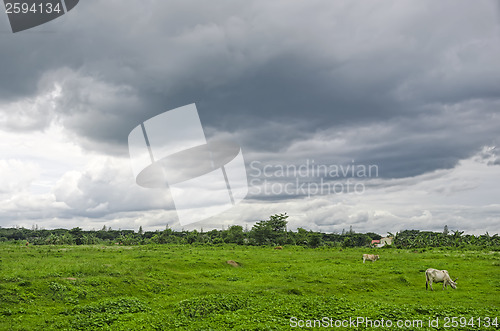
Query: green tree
column 235, row 234
column 316, row 239
column 356, row 240
column 374, row 236
column 302, row 237
column 261, row 232
column 272, row 231
column 77, row 235
column 191, row 237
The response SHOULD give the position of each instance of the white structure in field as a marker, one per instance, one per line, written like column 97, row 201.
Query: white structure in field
column 382, row 242
column 385, row 241
column 204, row 178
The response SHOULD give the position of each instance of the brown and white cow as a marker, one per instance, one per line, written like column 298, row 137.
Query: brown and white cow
column 370, row 257
column 439, row 276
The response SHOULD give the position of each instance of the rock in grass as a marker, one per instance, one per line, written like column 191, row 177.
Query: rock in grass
column 233, row 263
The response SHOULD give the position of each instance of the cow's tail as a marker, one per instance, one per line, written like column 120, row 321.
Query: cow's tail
column 426, row 280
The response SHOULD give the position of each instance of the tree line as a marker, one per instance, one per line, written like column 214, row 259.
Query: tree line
column 421, row 239
column 268, row 232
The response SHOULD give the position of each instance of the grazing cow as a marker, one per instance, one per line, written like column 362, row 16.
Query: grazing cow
column 278, row 247
column 439, row 276
column 370, row 257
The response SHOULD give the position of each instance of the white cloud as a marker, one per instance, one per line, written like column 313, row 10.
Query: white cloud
column 16, row 175
column 107, row 186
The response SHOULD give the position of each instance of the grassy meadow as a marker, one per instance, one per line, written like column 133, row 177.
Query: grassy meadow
column 166, row 287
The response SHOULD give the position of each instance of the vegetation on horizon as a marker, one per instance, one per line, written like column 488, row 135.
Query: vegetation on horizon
column 269, row 232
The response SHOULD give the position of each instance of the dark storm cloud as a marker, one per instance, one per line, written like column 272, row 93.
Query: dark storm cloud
column 421, row 73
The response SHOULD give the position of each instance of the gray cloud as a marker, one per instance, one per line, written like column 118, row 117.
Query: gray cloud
column 409, row 86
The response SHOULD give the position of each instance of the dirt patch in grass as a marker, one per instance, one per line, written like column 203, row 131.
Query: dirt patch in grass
column 233, row 263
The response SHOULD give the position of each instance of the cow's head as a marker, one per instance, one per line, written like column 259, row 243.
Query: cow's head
column 453, row 283
column 377, row 257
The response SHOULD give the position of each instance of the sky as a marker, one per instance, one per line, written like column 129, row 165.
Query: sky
column 381, row 116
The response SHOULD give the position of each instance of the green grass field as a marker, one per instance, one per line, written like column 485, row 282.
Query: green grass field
column 193, row 288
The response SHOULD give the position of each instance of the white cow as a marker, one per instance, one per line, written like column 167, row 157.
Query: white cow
column 439, row 276
column 370, row 257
